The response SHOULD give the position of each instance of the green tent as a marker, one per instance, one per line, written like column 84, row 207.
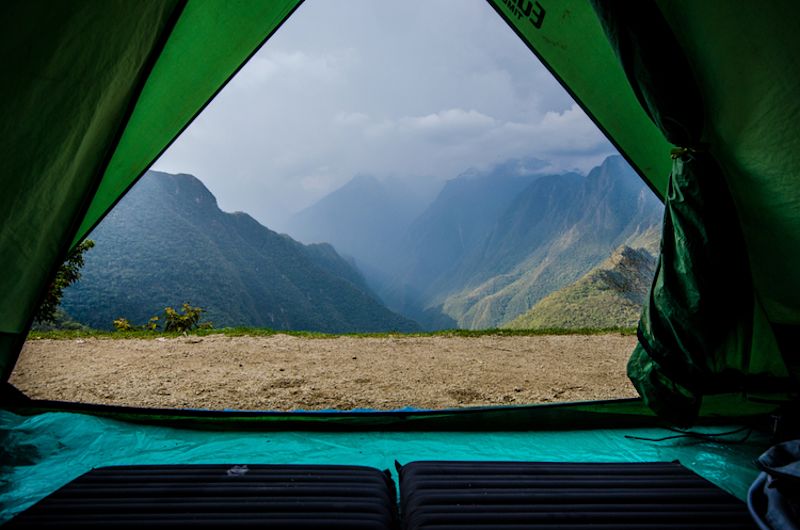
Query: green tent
column 700, row 97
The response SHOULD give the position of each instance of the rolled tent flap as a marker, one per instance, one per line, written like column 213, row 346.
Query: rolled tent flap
column 696, row 330
column 695, row 326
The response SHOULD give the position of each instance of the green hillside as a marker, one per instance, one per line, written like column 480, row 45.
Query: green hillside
column 168, row 242
column 610, row 295
column 556, row 230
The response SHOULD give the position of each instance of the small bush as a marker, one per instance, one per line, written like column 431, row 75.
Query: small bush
column 122, row 324
column 152, row 324
column 185, row 321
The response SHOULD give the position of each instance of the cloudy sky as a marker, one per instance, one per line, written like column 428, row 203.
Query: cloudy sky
column 426, row 87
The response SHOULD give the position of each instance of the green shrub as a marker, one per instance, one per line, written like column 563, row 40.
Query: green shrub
column 152, row 324
column 122, row 324
column 186, row 320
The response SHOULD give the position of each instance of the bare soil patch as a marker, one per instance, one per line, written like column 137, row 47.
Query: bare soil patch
column 283, row 372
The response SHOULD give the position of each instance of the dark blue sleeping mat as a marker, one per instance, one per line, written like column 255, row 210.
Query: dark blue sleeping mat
column 291, row 497
column 563, row 496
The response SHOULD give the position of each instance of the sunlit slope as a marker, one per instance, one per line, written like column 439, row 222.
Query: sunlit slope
column 610, row 295
column 556, row 230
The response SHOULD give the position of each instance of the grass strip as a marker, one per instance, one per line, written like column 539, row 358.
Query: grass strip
column 265, row 332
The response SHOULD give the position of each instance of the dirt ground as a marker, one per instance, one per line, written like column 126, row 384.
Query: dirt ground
column 284, row 372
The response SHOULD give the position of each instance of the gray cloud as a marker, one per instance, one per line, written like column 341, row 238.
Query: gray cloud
column 389, row 89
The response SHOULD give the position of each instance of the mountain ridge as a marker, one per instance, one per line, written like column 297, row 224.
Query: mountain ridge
column 495, row 241
column 555, row 231
column 168, row 242
column 610, row 295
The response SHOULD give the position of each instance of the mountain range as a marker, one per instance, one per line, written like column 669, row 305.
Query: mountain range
column 167, row 242
column 492, row 243
column 556, row 230
column 511, row 245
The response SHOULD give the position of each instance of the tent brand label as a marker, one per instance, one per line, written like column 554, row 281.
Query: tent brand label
column 531, row 10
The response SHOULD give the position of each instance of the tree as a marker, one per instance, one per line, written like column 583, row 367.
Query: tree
column 68, row 273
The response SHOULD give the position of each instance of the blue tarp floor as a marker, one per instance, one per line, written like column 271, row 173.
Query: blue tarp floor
column 43, row 452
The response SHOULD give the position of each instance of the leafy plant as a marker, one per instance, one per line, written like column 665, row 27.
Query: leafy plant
column 122, row 324
column 152, row 324
column 68, row 273
column 185, row 321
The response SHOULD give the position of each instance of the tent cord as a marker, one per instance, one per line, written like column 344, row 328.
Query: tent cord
column 709, row 437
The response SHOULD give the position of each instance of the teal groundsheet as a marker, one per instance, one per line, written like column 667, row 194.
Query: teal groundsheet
column 42, row 453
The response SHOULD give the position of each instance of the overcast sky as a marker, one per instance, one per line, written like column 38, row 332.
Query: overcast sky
column 427, row 87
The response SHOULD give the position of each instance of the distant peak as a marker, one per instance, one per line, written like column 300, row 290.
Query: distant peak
column 615, row 170
column 613, row 160
column 471, row 173
column 183, row 185
column 361, row 182
column 362, row 178
column 614, row 164
column 182, row 178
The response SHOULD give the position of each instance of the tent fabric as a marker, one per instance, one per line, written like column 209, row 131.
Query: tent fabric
column 95, row 92
column 656, row 69
column 748, row 72
column 46, row 451
column 695, row 334
column 744, row 60
column 73, row 71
